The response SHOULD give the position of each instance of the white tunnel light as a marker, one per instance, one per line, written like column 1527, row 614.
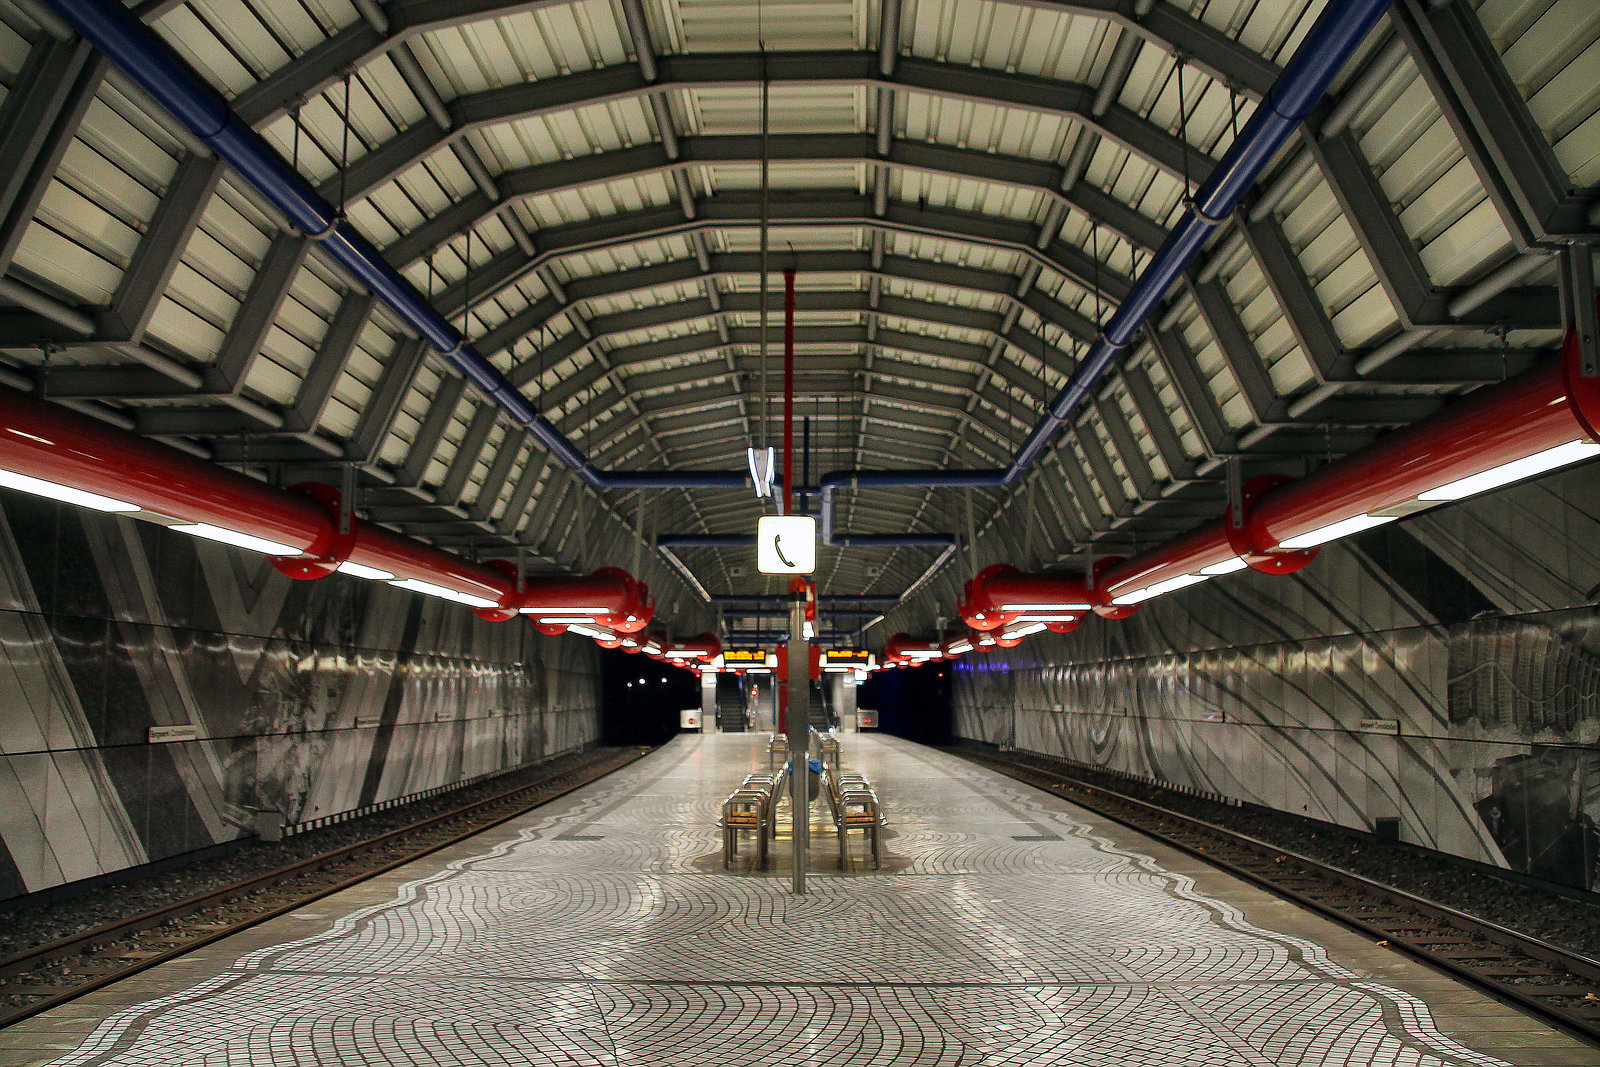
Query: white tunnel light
column 961, row 647
column 565, row 620
column 1334, row 531
column 629, row 642
column 235, row 538
column 362, row 571
column 1170, row 585
column 1227, row 566
column 683, row 653
column 1044, row 607
column 1023, row 631
column 565, row 611
column 598, row 635
column 1037, row 617
column 1515, row 471
column 429, row 589
column 64, row 493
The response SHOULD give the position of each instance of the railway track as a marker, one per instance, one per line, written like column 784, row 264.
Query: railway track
column 49, row 975
column 1551, row 983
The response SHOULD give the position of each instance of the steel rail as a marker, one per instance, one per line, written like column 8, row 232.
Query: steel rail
column 111, row 933
column 1577, row 964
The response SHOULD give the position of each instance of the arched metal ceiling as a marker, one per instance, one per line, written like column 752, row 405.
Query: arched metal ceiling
column 965, row 188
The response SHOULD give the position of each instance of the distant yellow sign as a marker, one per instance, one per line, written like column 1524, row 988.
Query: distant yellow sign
column 852, row 657
column 757, row 656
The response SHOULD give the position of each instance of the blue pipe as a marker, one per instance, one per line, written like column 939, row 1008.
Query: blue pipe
column 1343, row 25
column 1341, row 28
column 910, row 479
column 669, row 542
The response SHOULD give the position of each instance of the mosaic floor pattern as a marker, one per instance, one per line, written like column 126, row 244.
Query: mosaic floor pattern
column 1011, row 932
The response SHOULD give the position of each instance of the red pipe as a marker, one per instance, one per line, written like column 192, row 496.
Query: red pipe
column 788, row 392
column 53, row 444
column 706, row 647
column 624, row 603
column 998, row 595
column 1493, row 426
column 1545, row 407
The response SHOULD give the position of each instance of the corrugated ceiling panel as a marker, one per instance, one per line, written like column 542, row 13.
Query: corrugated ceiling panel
column 527, row 46
column 598, row 201
column 1272, row 27
column 721, row 25
column 568, row 134
column 14, row 49
column 1268, row 328
column 1019, row 37
column 745, row 177
column 1214, row 368
column 1336, row 264
column 984, row 198
column 792, row 108
column 1552, row 51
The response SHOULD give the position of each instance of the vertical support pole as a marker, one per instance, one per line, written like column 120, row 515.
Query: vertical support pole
column 1578, row 305
column 788, row 392
column 799, row 727
column 805, row 469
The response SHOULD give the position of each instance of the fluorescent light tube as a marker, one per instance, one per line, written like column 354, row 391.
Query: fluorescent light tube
column 564, row 611
column 629, row 643
column 1033, row 617
column 235, row 538
column 1168, row 586
column 682, row 653
column 1227, row 566
column 362, row 571
column 565, row 620
column 961, row 647
column 598, row 635
column 1023, row 631
column 1044, row 607
column 1334, row 531
column 64, row 493
column 429, row 589
column 1515, row 471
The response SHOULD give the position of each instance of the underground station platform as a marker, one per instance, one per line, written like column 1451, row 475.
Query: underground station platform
column 1004, row 926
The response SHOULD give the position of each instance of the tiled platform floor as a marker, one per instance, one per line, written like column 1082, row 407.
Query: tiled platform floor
column 1011, row 930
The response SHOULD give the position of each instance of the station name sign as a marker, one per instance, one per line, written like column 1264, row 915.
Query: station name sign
column 849, row 657
column 757, row 656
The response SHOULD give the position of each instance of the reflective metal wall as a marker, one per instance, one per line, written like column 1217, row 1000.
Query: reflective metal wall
column 1443, row 671
column 308, row 698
